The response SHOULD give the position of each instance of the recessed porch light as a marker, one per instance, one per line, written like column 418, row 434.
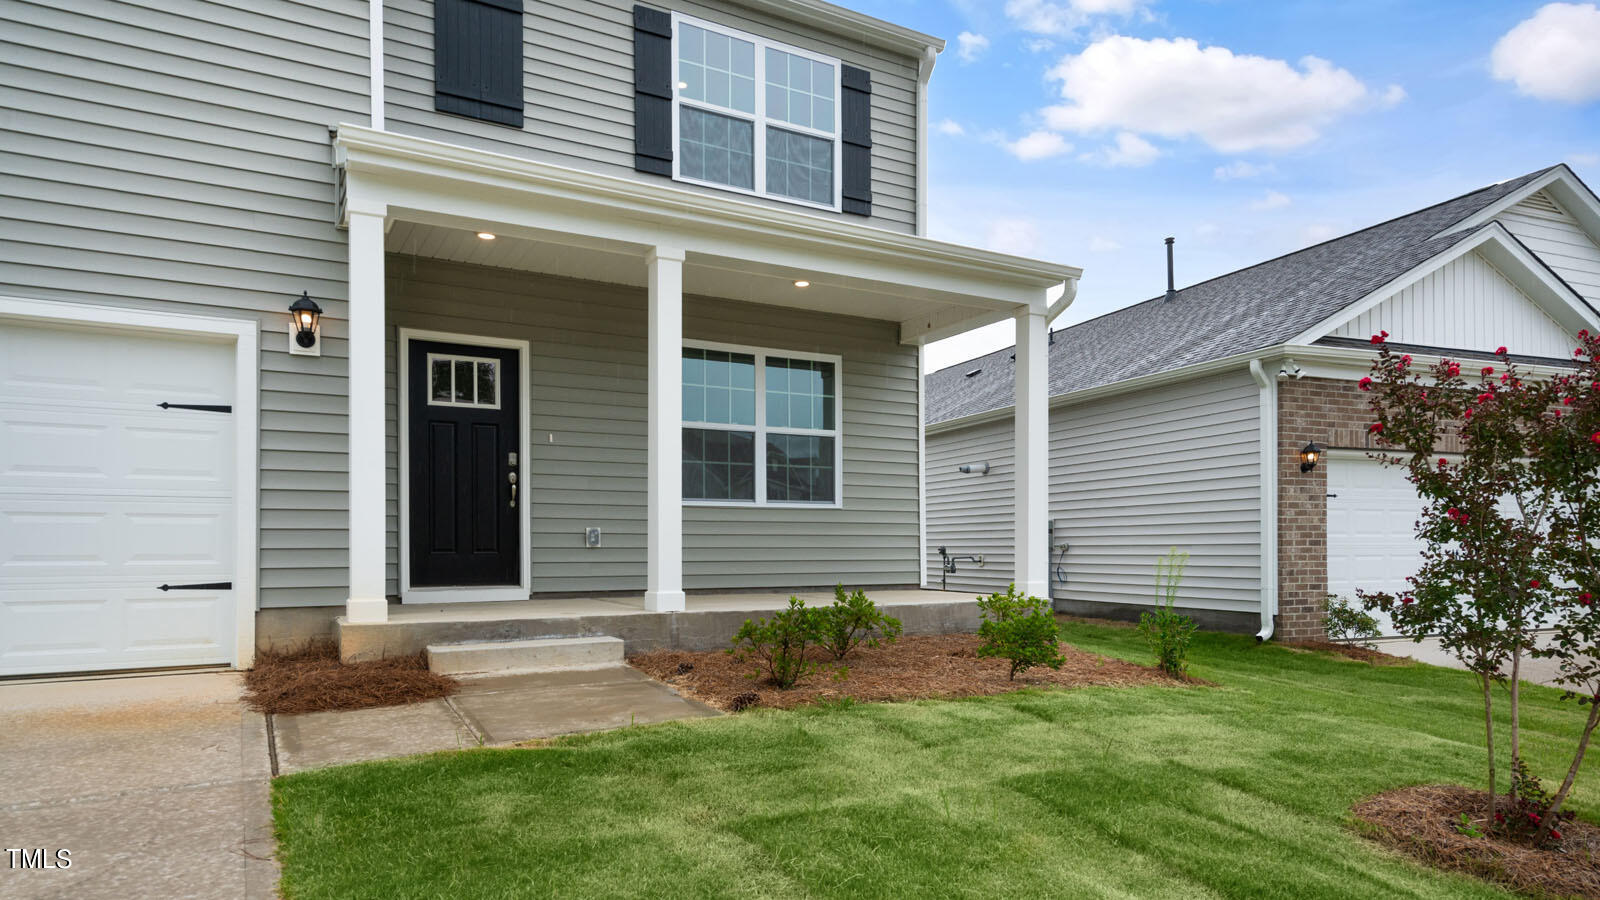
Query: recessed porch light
column 485, row 236
column 802, row 283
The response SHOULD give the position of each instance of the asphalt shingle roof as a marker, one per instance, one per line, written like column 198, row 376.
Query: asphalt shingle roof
column 1251, row 309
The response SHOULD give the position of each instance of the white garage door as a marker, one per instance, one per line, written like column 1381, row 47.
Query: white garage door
column 105, row 497
column 1372, row 515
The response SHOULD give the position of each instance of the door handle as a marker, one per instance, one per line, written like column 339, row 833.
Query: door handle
column 512, row 477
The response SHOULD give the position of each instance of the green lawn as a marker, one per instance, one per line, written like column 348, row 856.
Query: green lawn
column 1240, row 790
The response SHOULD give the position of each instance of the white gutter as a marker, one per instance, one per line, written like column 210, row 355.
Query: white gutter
column 924, row 72
column 1069, row 293
column 1269, row 497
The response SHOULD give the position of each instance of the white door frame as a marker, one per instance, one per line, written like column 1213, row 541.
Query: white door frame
column 244, row 334
column 463, row 594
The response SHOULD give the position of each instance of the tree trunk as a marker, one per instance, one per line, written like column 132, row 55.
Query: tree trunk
column 1516, row 724
column 1488, row 736
column 1550, row 817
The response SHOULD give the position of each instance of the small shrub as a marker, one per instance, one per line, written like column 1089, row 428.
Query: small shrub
column 1349, row 624
column 1527, row 816
column 1019, row 628
column 1167, row 631
column 779, row 643
column 854, row 620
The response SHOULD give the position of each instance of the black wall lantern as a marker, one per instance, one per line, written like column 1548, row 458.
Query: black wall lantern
column 305, row 315
column 1309, row 457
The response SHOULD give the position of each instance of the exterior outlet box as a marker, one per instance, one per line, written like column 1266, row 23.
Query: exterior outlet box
column 591, row 537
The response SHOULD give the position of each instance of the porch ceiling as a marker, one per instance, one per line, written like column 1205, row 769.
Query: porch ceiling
column 703, row 274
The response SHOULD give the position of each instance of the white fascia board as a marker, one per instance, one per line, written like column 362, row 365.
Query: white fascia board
column 1563, row 184
column 424, row 180
column 849, row 23
column 1509, row 256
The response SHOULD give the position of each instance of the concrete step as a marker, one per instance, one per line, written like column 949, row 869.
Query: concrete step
column 540, row 655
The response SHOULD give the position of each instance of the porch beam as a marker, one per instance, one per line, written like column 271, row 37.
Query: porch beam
column 368, row 601
column 664, row 524
column 1032, row 482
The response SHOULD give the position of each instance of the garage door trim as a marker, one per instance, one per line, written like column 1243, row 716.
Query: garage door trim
column 244, row 335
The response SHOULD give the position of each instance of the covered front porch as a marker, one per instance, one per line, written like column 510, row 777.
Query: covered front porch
column 588, row 293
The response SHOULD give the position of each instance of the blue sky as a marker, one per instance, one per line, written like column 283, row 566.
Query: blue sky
column 1085, row 131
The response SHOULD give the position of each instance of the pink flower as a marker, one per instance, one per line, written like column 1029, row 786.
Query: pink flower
column 1534, row 583
column 1578, row 352
column 1443, row 462
column 1566, row 401
column 1485, row 398
column 1365, row 383
column 1405, row 361
column 1455, row 369
column 1380, row 337
column 1468, row 413
column 1585, row 598
column 1377, row 428
column 1555, row 835
column 1488, row 370
column 1499, row 351
column 1408, row 599
column 1595, row 437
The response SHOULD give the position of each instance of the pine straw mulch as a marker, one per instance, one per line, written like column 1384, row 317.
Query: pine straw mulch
column 1421, row 822
column 1353, row 651
column 312, row 679
column 912, row 668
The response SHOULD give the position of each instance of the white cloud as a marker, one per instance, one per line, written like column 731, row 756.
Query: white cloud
column 1038, row 145
column 951, row 127
column 1239, row 169
column 1129, row 150
column 1393, row 95
column 1271, row 200
column 1063, row 18
column 970, row 46
column 1039, row 45
column 1584, row 159
column 1098, row 244
column 1552, row 55
column 1016, row 236
column 1177, row 89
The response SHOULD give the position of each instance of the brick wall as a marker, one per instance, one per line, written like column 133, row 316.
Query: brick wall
column 1330, row 413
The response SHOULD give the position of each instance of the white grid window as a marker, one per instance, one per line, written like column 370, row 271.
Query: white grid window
column 754, row 116
column 463, row 381
column 761, row 427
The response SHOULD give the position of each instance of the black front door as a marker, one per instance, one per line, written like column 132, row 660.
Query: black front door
column 463, row 429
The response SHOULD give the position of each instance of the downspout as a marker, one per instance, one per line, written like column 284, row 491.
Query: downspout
column 1269, row 497
column 375, row 61
column 924, row 72
column 922, row 470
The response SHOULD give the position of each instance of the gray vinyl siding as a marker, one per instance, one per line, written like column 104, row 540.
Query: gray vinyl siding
column 972, row 515
column 586, row 450
column 1130, row 476
column 578, row 92
column 174, row 156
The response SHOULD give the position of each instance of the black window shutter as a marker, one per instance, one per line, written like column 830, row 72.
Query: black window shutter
column 652, row 91
column 856, row 139
column 477, row 59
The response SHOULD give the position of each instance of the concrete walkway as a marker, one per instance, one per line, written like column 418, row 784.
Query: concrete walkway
column 157, row 785
column 487, row 711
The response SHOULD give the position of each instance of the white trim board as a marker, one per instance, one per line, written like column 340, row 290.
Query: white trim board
column 246, row 339
column 464, row 594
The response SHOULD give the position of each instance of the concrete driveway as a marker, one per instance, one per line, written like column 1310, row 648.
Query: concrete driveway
column 156, row 785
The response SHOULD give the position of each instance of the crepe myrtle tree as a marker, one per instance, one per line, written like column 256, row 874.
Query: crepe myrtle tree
column 1481, row 588
column 1565, row 454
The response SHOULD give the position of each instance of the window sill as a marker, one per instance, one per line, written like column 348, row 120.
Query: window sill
column 771, row 504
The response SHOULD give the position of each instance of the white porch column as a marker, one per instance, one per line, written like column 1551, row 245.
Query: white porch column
column 664, row 523
column 1033, row 453
column 368, row 598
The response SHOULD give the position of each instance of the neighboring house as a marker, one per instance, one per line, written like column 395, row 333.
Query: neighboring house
column 1180, row 421
column 614, row 300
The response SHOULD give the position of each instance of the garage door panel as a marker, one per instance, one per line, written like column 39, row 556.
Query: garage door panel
column 162, row 452
column 104, row 497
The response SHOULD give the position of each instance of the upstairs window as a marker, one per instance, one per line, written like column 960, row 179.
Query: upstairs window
column 755, row 116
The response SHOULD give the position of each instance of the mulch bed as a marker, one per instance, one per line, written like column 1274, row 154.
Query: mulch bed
column 1353, row 651
column 914, row 667
column 1421, row 822
column 312, row 679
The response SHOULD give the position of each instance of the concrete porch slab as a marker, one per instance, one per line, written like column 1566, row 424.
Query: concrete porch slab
column 542, row 705
column 709, row 622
